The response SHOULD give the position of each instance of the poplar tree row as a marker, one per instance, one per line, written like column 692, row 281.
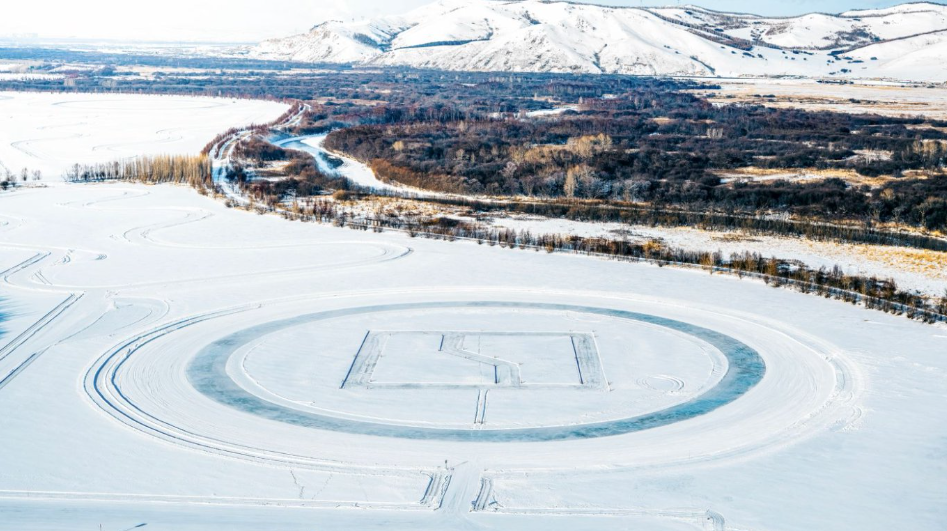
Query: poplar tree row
column 192, row 170
column 870, row 291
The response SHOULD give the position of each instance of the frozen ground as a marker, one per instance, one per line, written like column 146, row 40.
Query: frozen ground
column 51, row 132
column 925, row 271
column 888, row 99
column 165, row 359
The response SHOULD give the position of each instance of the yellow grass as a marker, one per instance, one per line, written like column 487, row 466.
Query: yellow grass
column 803, row 175
column 931, row 264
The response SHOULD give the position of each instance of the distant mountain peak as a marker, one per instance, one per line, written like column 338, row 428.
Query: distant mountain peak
column 559, row 36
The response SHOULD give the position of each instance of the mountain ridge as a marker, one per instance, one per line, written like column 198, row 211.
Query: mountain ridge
column 562, row 37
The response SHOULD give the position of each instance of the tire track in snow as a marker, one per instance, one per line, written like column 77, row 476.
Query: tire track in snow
column 226, row 501
column 102, row 387
column 143, row 235
column 9, row 353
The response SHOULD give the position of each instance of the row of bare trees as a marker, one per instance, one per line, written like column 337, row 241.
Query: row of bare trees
column 192, row 170
column 869, row 291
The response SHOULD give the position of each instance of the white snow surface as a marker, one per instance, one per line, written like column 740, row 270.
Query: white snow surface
column 919, row 57
column 867, row 260
column 111, row 292
column 51, row 132
column 537, row 36
column 817, row 30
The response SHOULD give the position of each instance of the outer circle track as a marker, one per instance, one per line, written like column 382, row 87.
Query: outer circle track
column 207, row 373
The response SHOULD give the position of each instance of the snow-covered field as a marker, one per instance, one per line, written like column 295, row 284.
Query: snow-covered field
column 887, row 99
column 168, row 362
column 915, row 269
column 51, row 132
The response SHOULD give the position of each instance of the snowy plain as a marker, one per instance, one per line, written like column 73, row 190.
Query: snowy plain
column 915, row 270
column 163, row 272
column 50, row 132
column 164, row 361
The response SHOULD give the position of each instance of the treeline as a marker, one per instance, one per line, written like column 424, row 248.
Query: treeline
column 390, row 87
column 195, row 171
column 305, row 178
column 710, row 220
column 870, row 291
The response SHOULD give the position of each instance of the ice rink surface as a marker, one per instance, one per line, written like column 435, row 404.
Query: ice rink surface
column 131, row 312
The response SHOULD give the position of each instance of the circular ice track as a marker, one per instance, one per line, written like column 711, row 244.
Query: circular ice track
column 207, row 372
column 304, row 382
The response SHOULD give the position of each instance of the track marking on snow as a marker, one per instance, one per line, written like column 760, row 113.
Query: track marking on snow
column 771, row 440
column 485, row 496
column 506, row 373
column 481, row 413
column 701, row 517
column 14, row 223
column 206, row 373
column 11, row 361
column 662, row 383
column 35, row 259
column 212, row 500
column 436, row 488
column 781, row 436
column 143, row 235
column 460, row 494
column 588, row 361
column 102, row 387
column 155, row 310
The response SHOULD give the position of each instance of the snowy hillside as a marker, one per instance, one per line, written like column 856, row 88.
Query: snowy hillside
column 537, row 36
column 920, row 57
column 816, row 31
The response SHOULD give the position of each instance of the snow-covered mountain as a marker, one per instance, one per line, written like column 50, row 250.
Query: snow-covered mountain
column 902, row 42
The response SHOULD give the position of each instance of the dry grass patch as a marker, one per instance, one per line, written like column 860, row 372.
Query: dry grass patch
column 755, row 174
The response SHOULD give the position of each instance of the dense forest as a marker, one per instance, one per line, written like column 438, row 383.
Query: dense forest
column 661, row 146
column 619, row 139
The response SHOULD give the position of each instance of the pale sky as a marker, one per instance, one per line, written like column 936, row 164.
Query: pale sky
column 253, row 20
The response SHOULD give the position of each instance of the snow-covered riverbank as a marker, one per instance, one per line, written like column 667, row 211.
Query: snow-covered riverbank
column 355, row 171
